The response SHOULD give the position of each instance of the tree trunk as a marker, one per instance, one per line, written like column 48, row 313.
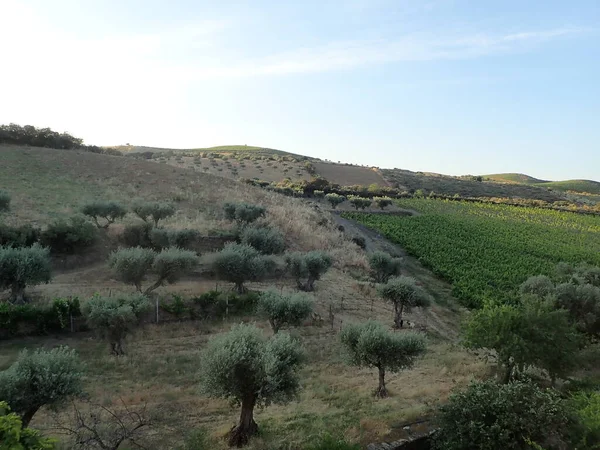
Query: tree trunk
column 239, row 288
column 17, row 294
column 381, row 391
column 310, row 284
column 27, row 416
column 398, row 309
column 507, row 375
column 156, row 285
column 274, row 326
column 116, row 347
column 247, row 427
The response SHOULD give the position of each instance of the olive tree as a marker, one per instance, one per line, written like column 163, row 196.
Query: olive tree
column 285, row 309
column 13, row 436
column 22, row 267
column 108, row 210
column 335, row 199
column 530, row 334
column 243, row 213
column 266, row 240
column 359, row 202
column 250, row 370
column 583, row 303
column 404, row 293
column 319, row 194
column 371, row 345
column 384, row 266
column 41, row 378
column 382, row 202
column 4, row 201
column 239, row 263
column 539, row 285
column 113, row 318
column 154, row 211
column 494, row 416
column 133, row 265
column 310, row 266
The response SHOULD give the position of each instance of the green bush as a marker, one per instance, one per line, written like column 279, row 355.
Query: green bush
column 4, row 201
column 583, row 303
column 14, row 437
column 404, row 293
column 587, row 411
column 243, row 213
column 65, row 237
column 108, row 210
column 137, row 235
column 154, row 211
column 501, row 416
column 41, row 378
column 22, row 267
column 284, row 309
column 539, row 285
column 335, row 199
column 310, row 266
column 268, row 241
column 382, row 202
column 239, row 263
column 21, row 236
column 384, row 266
column 38, row 319
column 359, row 202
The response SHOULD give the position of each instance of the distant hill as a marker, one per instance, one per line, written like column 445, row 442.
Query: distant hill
column 519, row 178
column 223, row 149
column 587, row 186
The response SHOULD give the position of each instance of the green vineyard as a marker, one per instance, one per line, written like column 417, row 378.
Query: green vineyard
column 486, row 251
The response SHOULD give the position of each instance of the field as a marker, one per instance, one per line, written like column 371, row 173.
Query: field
column 160, row 370
column 486, row 251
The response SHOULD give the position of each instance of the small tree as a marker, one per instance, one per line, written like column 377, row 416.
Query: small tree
column 383, row 266
column 530, row 334
column 583, row 303
column 239, row 263
column 22, row 267
column 284, row 309
column 371, row 345
column 404, row 294
column 109, row 211
column 113, row 318
column 383, row 202
column 13, row 436
column 69, row 236
column 310, row 266
column 154, row 211
column 41, row 378
column 335, row 199
column 319, row 194
column 539, row 285
column 359, row 202
column 4, row 201
column 501, row 416
column 133, row 265
column 266, row 240
column 243, row 213
column 250, row 370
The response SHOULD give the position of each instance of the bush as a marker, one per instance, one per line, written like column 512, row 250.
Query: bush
column 404, row 293
column 319, row 194
column 14, row 437
column 68, row 237
column 113, row 318
column 38, row 319
column 21, row 236
column 498, row 417
column 243, row 213
column 539, row 285
column 41, row 378
column 137, row 235
column 587, row 410
column 284, row 309
column 583, row 303
column 107, row 210
column 154, row 211
column 22, row 267
column 4, row 201
column 310, row 266
column 162, row 238
column 266, row 240
column 384, row 266
column 359, row 202
column 335, row 199
column 360, row 241
column 382, row 202
column 239, row 263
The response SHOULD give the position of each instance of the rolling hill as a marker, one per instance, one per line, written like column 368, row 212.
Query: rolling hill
column 585, row 186
column 519, row 178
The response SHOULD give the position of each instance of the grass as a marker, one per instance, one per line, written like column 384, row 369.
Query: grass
column 513, row 178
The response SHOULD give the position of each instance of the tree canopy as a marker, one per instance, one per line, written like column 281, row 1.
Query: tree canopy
column 110, row 211
column 22, row 267
column 239, row 263
column 310, row 266
column 284, row 309
column 404, row 293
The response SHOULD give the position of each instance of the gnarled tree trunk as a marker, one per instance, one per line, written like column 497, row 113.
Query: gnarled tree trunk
column 398, row 309
column 381, row 391
column 247, row 427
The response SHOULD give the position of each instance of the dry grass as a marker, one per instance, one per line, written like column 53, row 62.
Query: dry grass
column 349, row 175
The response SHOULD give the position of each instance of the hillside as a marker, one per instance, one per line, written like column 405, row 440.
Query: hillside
column 587, row 186
column 520, row 178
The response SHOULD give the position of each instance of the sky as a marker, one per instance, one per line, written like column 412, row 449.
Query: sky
column 448, row 86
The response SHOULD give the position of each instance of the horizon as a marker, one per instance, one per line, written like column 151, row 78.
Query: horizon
column 437, row 86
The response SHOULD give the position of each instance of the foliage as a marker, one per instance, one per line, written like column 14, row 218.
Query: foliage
column 198, row 439
column 335, row 199
column 239, row 263
column 587, row 410
column 4, row 201
column 164, row 238
column 131, row 265
column 14, row 437
column 530, row 334
column 20, row 236
column 285, row 309
column 41, row 378
column 108, row 210
column 500, row 416
column 266, row 240
column 370, row 344
column 22, row 267
column 113, row 318
column 360, row 241
column 384, row 266
column 37, row 137
column 404, row 293
column 250, row 370
column 487, row 251
column 138, row 235
column 310, row 266
column 319, row 194
column 539, row 285
column 154, row 211
column 383, row 202
column 583, row 303
column 359, row 202
column 243, row 213
column 581, row 274
column 70, row 236
column 328, row 442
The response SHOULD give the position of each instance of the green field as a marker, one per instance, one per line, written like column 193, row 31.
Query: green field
column 486, row 251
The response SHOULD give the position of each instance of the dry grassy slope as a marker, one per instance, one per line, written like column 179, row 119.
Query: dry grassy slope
column 163, row 360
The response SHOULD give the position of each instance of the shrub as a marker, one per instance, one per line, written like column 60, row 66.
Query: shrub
column 239, row 263
column 335, row 199
column 539, row 285
column 382, row 202
column 587, row 411
column 68, row 236
column 384, row 266
column 371, row 345
column 360, row 241
column 154, row 211
column 250, row 370
column 41, row 378
column 359, row 202
column 133, row 265
column 284, row 309
column 21, row 236
column 14, row 437
column 583, row 303
column 310, row 266
column 113, row 318
column 404, row 293
column 137, row 235
column 266, row 240
column 22, row 267
column 162, row 238
column 497, row 417
column 40, row 319
column 243, row 213
column 319, row 194
column 108, row 210
column 4, row 201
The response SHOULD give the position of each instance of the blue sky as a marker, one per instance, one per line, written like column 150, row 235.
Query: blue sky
column 449, row 86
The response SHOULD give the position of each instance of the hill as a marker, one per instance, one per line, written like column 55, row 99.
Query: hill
column 586, row 186
column 519, row 178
